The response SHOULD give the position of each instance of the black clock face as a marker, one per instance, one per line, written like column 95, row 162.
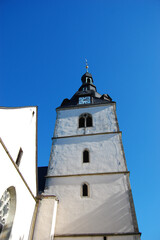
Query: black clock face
column 84, row 100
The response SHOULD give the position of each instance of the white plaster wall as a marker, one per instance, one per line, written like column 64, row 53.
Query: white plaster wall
column 18, row 129
column 106, row 210
column 104, row 120
column 45, row 221
column 105, row 155
column 79, row 238
column 25, row 203
column 133, row 237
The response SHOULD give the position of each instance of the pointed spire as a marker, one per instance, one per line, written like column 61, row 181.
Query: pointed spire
column 86, row 65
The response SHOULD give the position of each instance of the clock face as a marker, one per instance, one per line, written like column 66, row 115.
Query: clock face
column 84, row 100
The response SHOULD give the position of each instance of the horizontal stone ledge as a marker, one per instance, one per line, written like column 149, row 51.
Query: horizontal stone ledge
column 85, row 106
column 98, row 234
column 91, row 134
column 42, row 196
column 88, row 174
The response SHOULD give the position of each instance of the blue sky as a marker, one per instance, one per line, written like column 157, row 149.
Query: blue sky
column 43, row 46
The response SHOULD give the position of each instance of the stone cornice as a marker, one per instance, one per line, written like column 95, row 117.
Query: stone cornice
column 98, row 234
column 85, row 106
column 87, row 174
column 90, row 134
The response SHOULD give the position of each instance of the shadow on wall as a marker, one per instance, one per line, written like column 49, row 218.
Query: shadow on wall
column 5, row 234
column 112, row 216
column 21, row 238
column 72, row 113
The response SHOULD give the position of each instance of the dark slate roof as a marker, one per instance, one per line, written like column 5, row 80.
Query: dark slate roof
column 86, row 89
column 42, row 172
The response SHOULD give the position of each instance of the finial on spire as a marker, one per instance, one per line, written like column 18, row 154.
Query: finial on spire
column 86, row 65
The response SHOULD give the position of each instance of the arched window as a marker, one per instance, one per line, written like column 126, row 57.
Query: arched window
column 85, row 156
column 81, row 122
column 85, row 190
column 89, row 121
column 7, row 212
column 85, row 120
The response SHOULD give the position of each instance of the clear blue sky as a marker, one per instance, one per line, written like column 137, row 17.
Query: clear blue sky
column 43, row 45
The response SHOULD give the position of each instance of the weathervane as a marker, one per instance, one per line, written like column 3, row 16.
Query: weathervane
column 86, row 65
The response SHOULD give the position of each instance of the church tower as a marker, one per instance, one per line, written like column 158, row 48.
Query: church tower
column 87, row 171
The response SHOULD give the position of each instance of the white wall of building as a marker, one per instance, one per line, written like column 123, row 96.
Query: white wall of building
column 106, row 155
column 18, row 128
column 46, row 219
column 25, row 202
column 104, row 120
column 134, row 237
column 106, row 210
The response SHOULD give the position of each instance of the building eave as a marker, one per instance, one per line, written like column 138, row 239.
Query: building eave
column 85, row 106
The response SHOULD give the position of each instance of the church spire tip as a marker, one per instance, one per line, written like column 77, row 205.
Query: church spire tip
column 86, row 65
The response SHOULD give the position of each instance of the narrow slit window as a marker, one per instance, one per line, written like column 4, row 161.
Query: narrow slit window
column 85, row 190
column 104, row 238
column 85, row 156
column 18, row 160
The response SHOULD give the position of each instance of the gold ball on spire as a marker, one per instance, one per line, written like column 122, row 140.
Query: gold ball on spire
column 87, row 65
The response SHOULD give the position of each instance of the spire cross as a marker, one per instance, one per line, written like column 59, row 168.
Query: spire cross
column 86, row 65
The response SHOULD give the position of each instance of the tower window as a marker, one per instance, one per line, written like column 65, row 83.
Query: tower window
column 85, row 88
column 85, row 190
column 85, row 156
column 104, row 238
column 89, row 121
column 81, row 122
column 85, row 120
column 18, row 160
column 88, row 80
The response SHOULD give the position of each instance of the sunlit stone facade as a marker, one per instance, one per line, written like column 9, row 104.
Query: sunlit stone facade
column 95, row 199
column 18, row 184
column 85, row 192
